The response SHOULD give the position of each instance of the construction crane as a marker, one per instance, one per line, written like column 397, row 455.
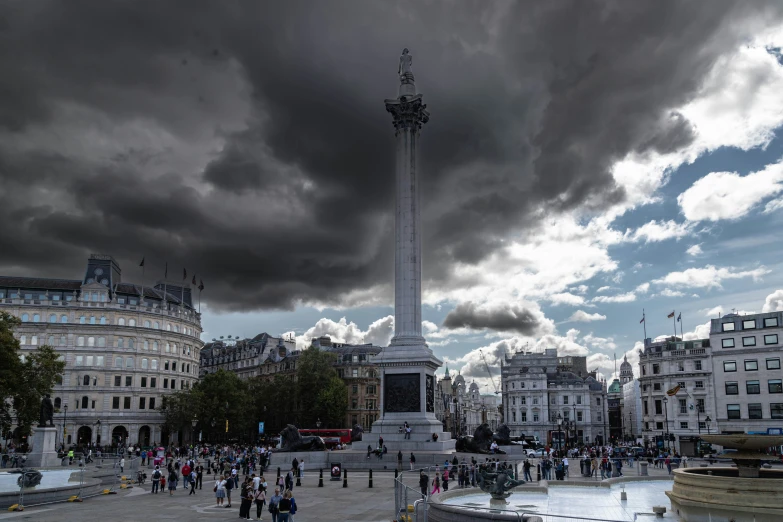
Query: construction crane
column 497, row 391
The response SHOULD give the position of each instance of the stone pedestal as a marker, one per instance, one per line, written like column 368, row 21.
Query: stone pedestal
column 643, row 469
column 43, row 454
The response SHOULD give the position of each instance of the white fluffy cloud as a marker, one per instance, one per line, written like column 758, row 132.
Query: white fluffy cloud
column 727, row 195
column 655, row 231
column 694, row 250
column 378, row 333
column 566, row 298
column 619, row 298
column 643, row 288
column 708, row 277
column 580, row 316
column 714, row 311
column 774, row 302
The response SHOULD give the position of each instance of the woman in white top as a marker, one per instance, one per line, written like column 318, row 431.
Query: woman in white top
column 220, row 490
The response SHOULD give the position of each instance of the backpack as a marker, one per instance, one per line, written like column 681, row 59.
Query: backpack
column 273, row 507
column 156, row 475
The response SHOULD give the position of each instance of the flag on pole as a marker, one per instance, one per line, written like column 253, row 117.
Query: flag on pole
column 201, row 286
column 640, row 322
column 142, row 262
column 673, row 391
column 670, row 315
column 679, row 316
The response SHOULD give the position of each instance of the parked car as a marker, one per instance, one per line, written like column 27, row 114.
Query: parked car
column 536, row 453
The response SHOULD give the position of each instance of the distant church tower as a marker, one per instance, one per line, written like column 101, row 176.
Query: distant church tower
column 626, row 371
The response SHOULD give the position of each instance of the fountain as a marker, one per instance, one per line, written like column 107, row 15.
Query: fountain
column 745, row 493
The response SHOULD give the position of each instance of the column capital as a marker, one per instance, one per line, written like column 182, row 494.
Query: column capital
column 408, row 112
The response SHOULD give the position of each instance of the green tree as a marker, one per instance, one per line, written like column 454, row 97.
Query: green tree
column 24, row 383
column 332, row 403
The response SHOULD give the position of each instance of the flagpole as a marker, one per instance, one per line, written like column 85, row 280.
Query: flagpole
column 644, row 321
column 143, row 271
column 182, row 294
column 674, row 322
column 681, row 321
column 199, row 300
column 165, row 288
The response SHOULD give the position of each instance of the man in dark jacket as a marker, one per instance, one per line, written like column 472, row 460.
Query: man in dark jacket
column 424, row 482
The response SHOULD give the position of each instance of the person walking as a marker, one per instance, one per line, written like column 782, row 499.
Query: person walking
column 192, row 483
column 229, row 487
column 301, row 470
column 445, row 478
column 399, row 460
column 274, row 505
column 246, row 498
column 199, row 475
column 172, row 481
column 259, row 497
column 565, row 466
column 526, row 469
column 156, row 475
column 424, row 482
column 284, row 508
column 122, row 465
column 436, row 484
column 293, row 507
column 220, row 491
column 413, row 461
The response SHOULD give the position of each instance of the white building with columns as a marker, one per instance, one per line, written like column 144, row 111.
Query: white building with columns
column 123, row 350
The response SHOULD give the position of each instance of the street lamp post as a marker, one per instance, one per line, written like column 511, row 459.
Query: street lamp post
column 707, row 422
column 698, row 418
column 666, row 415
column 559, row 433
column 65, row 427
column 193, row 438
column 97, row 431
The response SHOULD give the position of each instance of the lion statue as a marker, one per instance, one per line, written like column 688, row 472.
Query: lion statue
column 502, row 436
column 479, row 442
column 356, row 433
column 292, row 440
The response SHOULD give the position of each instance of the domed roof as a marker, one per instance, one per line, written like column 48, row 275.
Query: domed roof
column 473, row 387
column 459, row 379
column 626, row 365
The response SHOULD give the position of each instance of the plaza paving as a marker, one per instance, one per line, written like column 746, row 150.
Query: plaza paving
column 357, row 503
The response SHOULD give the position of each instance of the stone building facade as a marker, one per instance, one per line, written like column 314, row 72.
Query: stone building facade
column 541, row 388
column 125, row 347
column 246, row 357
column 676, row 387
column 462, row 409
column 746, row 365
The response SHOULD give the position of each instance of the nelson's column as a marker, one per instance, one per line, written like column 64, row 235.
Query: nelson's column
column 407, row 364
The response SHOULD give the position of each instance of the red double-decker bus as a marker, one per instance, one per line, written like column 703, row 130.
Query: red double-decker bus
column 331, row 437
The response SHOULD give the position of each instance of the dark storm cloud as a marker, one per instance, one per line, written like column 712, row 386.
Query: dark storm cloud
column 531, row 103
column 505, row 318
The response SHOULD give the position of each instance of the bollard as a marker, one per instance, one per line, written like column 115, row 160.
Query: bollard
column 345, row 478
column 538, row 472
column 516, row 472
column 321, row 478
column 370, row 479
column 278, row 472
column 298, row 479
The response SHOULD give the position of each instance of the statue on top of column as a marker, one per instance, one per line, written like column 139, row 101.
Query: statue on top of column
column 404, row 69
column 47, row 413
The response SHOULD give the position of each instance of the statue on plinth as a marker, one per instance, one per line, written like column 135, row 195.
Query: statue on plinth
column 404, row 69
column 47, row 413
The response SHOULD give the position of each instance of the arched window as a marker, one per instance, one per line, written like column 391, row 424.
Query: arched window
column 22, row 339
column 146, row 324
column 63, row 318
column 144, row 364
column 156, row 325
column 118, row 362
column 25, row 318
column 57, row 403
column 80, row 341
column 146, row 344
column 155, row 345
column 168, row 348
column 85, row 297
column 103, row 319
column 91, row 341
column 95, row 296
column 34, row 340
column 174, row 366
column 86, row 380
column 82, row 320
column 85, row 402
column 129, row 362
column 188, row 370
column 50, row 341
column 154, row 364
column 103, row 297
column 176, row 328
column 92, row 319
column 168, row 327
column 120, row 342
column 36, row 318
column 101, row 342
column 63, row 340
column 131, row 343
column 121, row 321
column 53, row 318
column 131, row 322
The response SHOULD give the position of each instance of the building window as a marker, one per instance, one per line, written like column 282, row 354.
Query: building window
column 770, row 322
column 80, row 341
column 63, row 340
column 142, row 402
column 579, row 399
column 131, row 322
column 165, row 383
column 25, row 318
column 656, row 386
column 91, row 341
column 659, row 425
column 775, row 386
column 369, row 404
column 658, row 407
column 579, row 416
column 129, row 362
column 128, row 380
column 683, row 425
column 115, row 403
column 699, row 385
column 776, row 410
column 680, row 366
column 118, row 362
column 152, row 403
column 53, row 318
column 513, row 416
column 754, row 411
column 154, row 364
column 656, row 369
column 535, row 417
column 126, row 403
column 751, row 365
column 131, row 343
column 372, row 389
column 36, row 318
column 729, row 366
column 749, row 341
column 86, row 380
column 92, row 319
column 174, row 366
column 117, row 380
column 683, row 406
column 773, row 364
column 63, row 318
column 727, row 327
column 101, row 342
column 153, row 382
column 146, row 324
column 645, row 407
column 155, row 346
column 121, row 321
column 513, row 401
column 752, row 387
column 700, row 405
column 728, row 342
column 79, row 361
column 156, row 325
column 733, row 411
column 522, row 400
column 144, row 363
column 702, row 425
column 771, row 339
column 565, row 399
column 120, row 342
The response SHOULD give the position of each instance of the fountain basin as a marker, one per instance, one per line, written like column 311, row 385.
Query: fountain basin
column 697, row 496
